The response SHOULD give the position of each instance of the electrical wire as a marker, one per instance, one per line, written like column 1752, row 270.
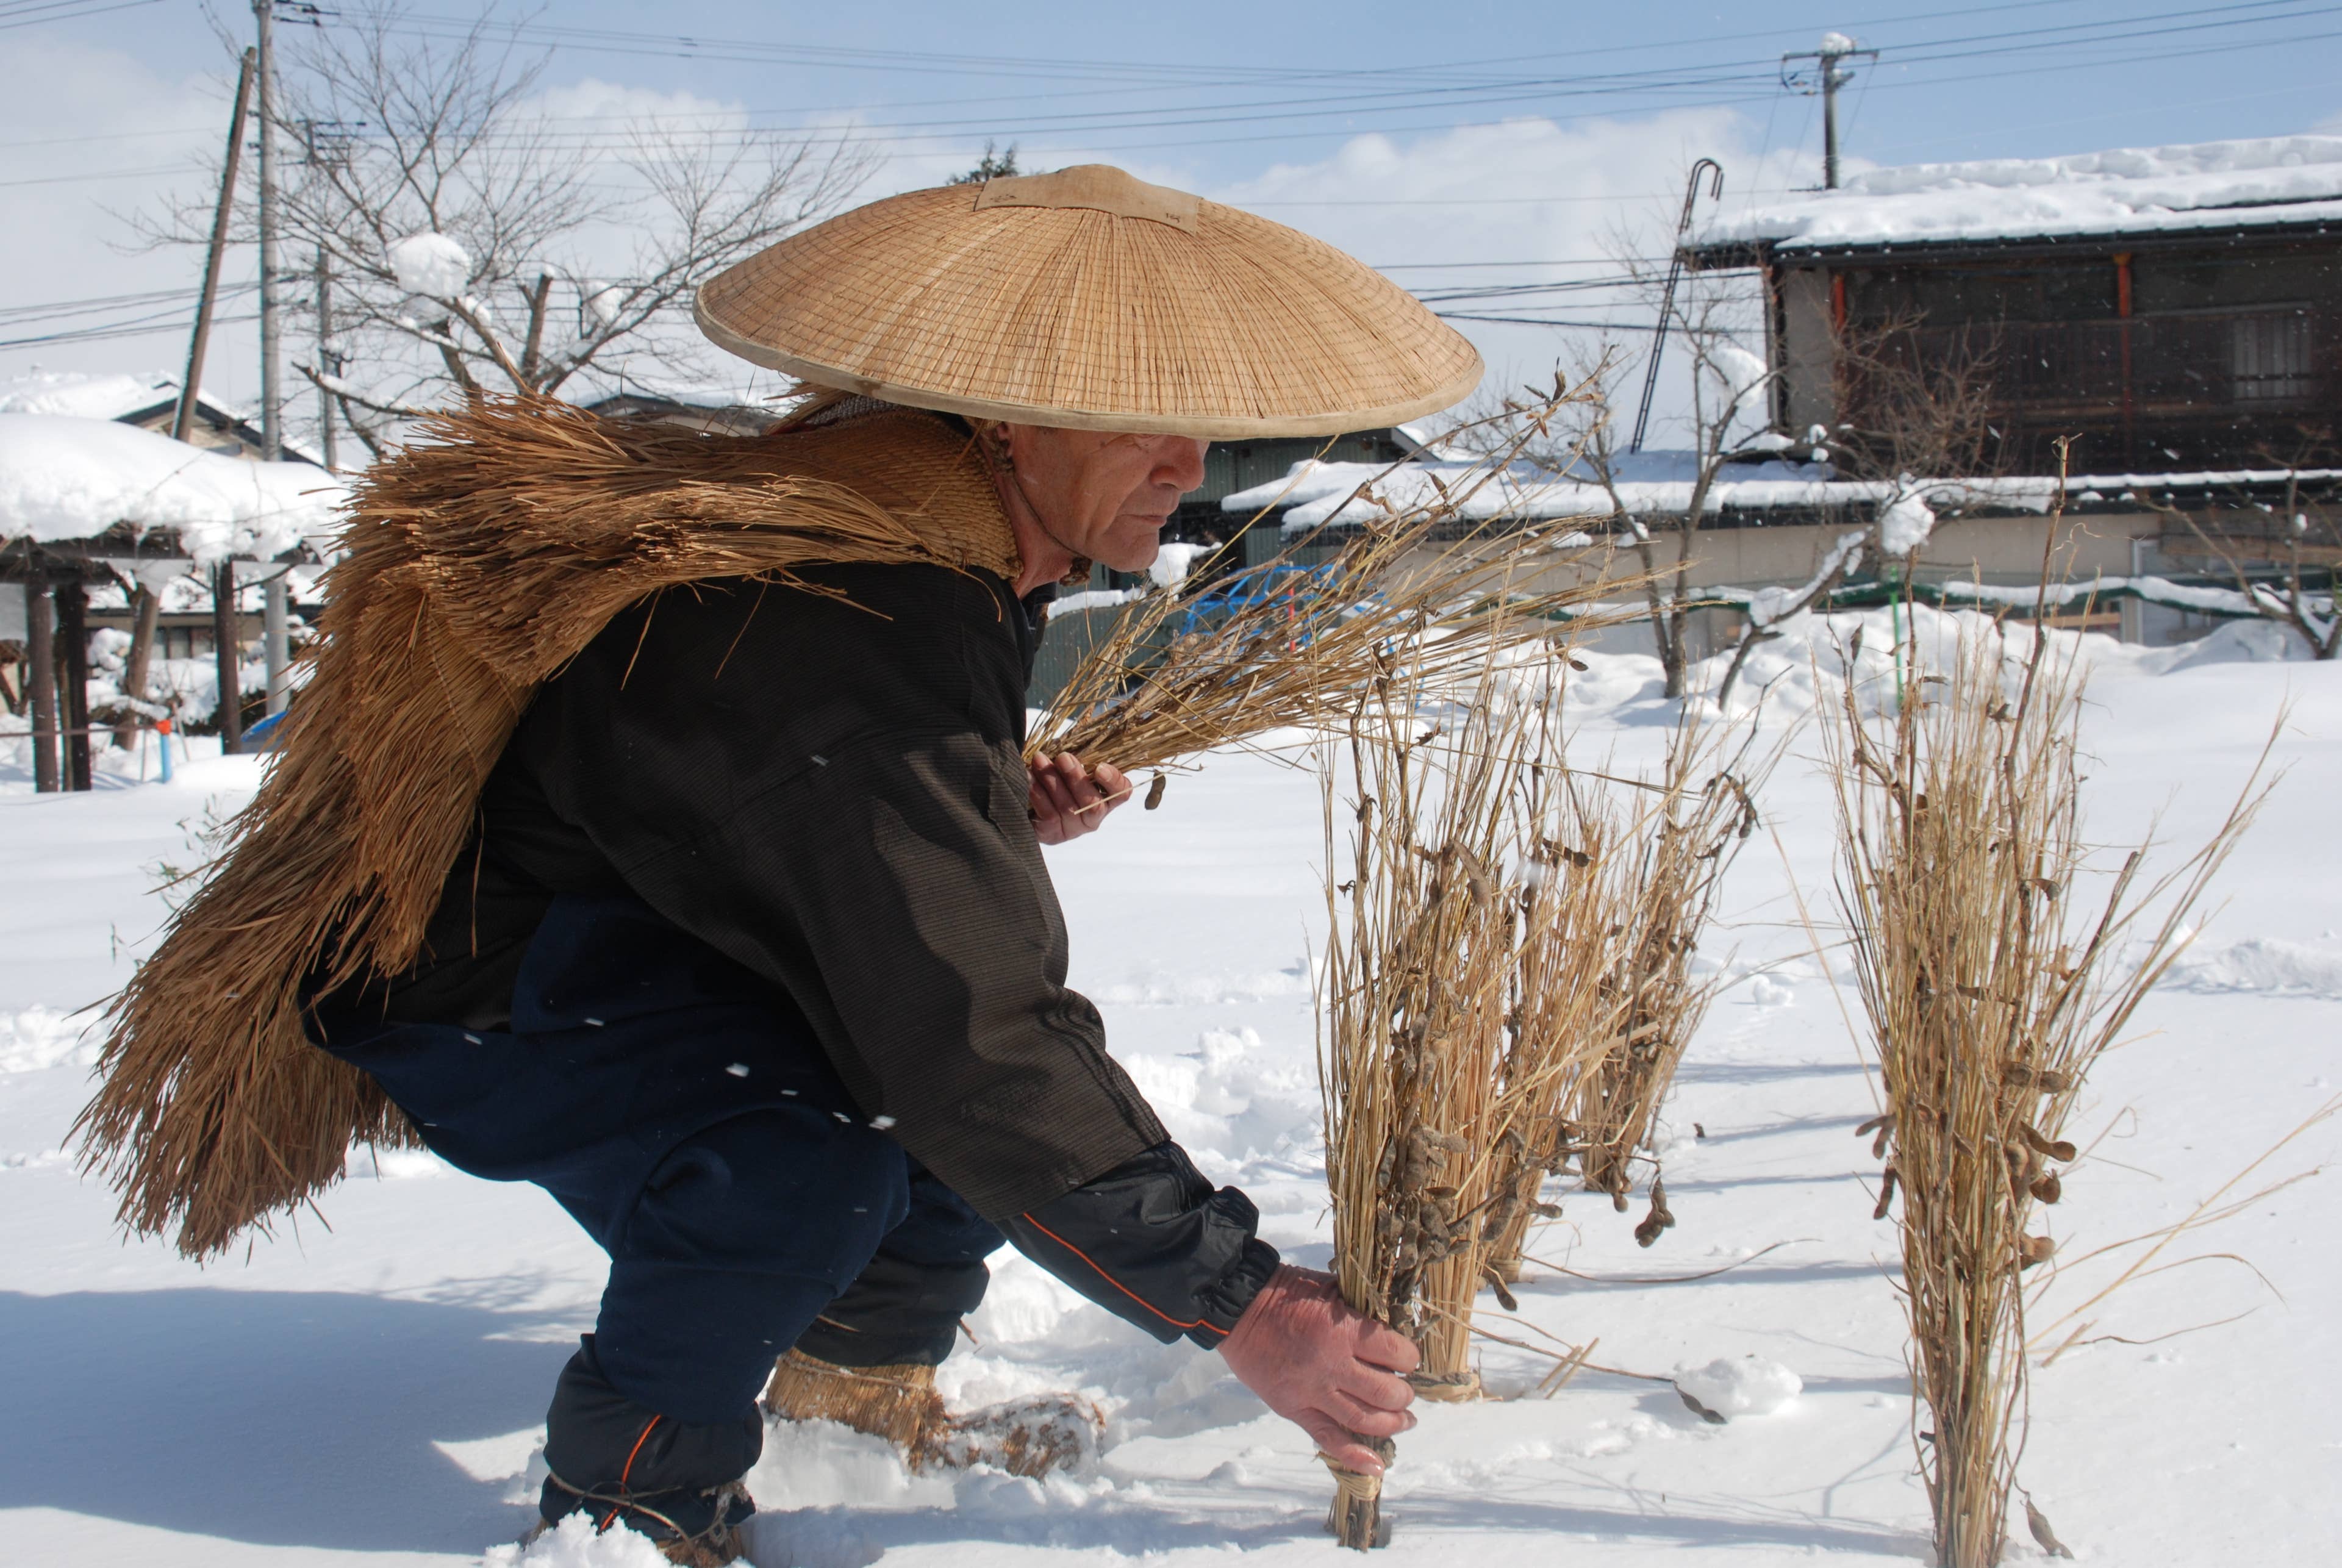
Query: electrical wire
column 100, row 334
column 44, row 13
column 1411, row 102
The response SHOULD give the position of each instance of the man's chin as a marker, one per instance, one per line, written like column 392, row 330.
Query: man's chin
column 1139, row 553
column 1134, row 558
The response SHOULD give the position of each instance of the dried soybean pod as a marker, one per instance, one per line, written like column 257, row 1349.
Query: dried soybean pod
column 2057, row 1149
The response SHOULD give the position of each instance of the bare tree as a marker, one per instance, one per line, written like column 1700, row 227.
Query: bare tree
column 1918, row 427
column 1729, row 388
column 462, row 228
column 2302, row 539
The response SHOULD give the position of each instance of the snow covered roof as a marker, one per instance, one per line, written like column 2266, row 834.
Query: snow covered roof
column 64, row 476
column 125, row 398
column 2273, row 180
column 1659, row 485
column 95, row 397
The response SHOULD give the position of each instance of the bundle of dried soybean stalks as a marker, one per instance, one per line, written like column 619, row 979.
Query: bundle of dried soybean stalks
column 1993, row 985
column 1625, row 878
column 1427, row 577
column 1703, row 809
column 1414, row 996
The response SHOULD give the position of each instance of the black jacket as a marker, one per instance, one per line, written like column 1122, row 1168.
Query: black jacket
column 827, row 785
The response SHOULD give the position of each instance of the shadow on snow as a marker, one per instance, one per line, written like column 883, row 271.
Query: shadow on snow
column 275, row 1417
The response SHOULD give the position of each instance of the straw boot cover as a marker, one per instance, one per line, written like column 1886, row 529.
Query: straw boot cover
column 1090, row 300
column 474, row 567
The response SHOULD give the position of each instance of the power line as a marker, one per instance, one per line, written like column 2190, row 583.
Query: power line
column 100, row 334
column 42, row 15
column 1407, row 101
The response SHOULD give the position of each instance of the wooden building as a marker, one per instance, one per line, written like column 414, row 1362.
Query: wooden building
column 2174, row 309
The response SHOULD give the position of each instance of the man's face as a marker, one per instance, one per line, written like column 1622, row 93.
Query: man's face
column 1105, row 496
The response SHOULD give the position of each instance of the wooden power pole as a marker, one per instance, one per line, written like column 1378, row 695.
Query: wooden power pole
column 274, row 643
column 183, row 426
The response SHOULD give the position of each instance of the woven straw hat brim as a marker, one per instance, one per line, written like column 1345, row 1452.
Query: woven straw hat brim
column 1206, row 321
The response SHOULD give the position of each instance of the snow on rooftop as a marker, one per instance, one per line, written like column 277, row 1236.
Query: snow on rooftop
column 64, row 476
column 84, row 397
column 2131, row 190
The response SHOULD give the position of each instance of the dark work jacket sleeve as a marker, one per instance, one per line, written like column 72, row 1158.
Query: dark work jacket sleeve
column 829, row 789
column 1153, row 1243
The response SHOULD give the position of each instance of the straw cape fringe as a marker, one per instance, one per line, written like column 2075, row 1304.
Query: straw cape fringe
column 477, row 566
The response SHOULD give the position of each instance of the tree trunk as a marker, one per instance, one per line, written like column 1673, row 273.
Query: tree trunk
column 1669, row 627
column 146, row 610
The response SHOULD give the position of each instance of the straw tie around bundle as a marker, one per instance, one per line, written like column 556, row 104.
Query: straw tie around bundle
column 1356, row 1519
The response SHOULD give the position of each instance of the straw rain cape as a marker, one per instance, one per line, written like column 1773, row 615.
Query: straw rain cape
column 477, row 566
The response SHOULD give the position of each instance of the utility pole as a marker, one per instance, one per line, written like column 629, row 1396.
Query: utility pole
column 325, row 442
column 271, row 436
column 275, row 643
column 182, row 423
column 1828, row 76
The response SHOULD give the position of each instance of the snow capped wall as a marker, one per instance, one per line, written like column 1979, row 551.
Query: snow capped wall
column 2131, row 190
column 63, row 477
column 1659, row 485
column 1649, row 484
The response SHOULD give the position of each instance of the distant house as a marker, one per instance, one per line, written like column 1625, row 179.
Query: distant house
column 148, row 402
column 2176, row 311
column 2172, row 308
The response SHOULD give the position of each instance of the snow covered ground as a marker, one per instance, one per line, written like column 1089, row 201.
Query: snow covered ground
column 371, row 1392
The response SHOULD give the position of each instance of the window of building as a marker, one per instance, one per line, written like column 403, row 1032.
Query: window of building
column 2269, row 358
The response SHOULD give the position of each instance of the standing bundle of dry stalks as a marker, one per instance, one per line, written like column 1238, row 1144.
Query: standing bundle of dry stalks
column 1625, row 878
column 1414, row 1001
column 1447, row 589
column 1466, row 993
column 1992, row 990
column 1701, row 810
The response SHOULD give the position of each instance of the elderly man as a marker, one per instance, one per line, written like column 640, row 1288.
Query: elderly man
column 751, row 959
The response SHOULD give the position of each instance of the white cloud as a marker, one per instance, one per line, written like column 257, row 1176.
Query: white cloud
column 1523, row 190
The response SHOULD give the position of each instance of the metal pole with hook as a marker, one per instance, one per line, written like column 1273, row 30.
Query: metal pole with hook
column 1667, row 295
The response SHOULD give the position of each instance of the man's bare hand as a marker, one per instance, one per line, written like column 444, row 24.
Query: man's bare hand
column 1336, row 1374
column 1068, row 800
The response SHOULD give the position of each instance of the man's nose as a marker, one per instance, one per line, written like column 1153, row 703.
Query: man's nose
column 1184, row 465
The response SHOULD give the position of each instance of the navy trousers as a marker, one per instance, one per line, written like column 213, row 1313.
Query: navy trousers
column 679, row 1108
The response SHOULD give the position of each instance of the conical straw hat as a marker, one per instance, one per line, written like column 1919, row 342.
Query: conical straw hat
column 1089, row 299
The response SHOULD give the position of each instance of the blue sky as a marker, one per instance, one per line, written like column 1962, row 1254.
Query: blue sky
column 1420, row 136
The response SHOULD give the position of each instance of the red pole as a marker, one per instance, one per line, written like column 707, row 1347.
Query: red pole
column 2122, row 309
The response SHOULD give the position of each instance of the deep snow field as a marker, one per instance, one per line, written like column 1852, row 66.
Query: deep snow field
column 372, row 1393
